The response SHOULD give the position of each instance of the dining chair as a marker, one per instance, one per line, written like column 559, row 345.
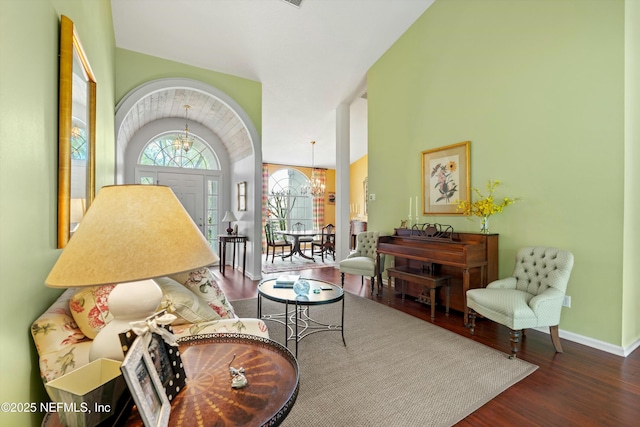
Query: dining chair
column 326, row 243
column 362, row 261
column 304, row 240
column 273, row 243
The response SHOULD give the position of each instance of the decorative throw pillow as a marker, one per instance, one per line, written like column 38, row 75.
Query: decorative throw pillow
column 201, row 283
column 184, row 304
column 90, row 310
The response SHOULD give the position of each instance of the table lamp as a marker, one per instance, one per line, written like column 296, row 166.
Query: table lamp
column 130, row 235
column 228, row 217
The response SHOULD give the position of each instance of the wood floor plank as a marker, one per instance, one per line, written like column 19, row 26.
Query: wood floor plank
column 581, row 386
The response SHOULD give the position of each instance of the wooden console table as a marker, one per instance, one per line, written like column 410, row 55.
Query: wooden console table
column 222, row 249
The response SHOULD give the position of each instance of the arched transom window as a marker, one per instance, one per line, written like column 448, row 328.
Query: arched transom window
column 162, row 152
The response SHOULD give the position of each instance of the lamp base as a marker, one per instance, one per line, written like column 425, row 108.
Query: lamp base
column 229, row 230
column 128, row 302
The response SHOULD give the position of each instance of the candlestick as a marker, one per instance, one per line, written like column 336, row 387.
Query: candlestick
column 416, row 209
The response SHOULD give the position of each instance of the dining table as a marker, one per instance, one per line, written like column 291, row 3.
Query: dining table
column 296, row 235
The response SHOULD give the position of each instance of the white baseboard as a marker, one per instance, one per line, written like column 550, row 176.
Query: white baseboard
column 589, row 342
column 594, row 343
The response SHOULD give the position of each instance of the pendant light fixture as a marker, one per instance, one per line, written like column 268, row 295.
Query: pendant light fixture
column 184, row 142
column 315, row 187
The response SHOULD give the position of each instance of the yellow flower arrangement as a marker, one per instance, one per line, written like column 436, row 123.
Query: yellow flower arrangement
column 486, row 206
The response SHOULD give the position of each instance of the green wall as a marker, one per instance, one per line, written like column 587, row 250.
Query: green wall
column 631, row 290
column 134, row 69
column 29, row 35
column 28, row 158
column 538, row 88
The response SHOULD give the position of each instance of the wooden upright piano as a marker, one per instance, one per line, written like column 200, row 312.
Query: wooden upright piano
column 471, row 259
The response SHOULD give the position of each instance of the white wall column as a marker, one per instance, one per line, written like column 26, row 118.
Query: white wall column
column 343, row 186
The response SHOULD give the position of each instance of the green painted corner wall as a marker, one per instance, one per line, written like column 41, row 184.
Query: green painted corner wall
column 538, row 88
column 134, row 69
column 29, row 37
column 631, row 284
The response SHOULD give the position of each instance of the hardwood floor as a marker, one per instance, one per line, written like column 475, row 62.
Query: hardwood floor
column 581, row 386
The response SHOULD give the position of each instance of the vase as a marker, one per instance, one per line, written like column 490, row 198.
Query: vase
column 484, row 225
column 301, row 287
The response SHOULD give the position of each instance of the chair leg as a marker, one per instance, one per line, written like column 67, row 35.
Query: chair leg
column 555, row 338
column 472, row 321
column 514, row 338
column 373, row 281
column 342, row 279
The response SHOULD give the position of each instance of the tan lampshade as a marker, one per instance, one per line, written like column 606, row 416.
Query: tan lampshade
column 131, row 233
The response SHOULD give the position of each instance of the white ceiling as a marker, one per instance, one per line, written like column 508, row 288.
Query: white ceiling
column 309, row 59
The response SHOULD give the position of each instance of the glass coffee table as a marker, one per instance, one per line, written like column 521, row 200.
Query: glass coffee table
column 296, row 319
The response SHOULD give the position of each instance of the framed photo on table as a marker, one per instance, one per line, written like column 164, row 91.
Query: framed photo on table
column 445, row 179
column 165, row 357
column 242, row 196
column 144, row 384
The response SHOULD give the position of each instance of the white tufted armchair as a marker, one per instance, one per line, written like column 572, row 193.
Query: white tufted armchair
column 362, row 261
column 531, row 298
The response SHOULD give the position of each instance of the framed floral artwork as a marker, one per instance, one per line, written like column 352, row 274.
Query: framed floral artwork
column 445, row 179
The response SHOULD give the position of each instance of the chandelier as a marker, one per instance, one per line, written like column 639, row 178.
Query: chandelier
column 315, row 187
column 184, row 141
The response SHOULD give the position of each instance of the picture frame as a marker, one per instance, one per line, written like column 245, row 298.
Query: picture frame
column 144, row 384
column 242, row 196
column 446, row 179
column 166, row 358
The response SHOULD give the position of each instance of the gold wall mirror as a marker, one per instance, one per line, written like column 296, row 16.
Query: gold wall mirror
column 77, row 133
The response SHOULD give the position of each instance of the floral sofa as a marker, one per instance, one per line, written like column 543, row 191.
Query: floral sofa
column 64, row 332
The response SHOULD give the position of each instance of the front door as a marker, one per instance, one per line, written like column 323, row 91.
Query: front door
column 189, row 189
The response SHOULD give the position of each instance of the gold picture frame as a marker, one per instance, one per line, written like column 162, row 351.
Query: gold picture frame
column 76, row 133
column 242, row 196
column 446, row 179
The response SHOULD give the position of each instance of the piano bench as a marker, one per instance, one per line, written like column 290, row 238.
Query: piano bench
column 429, row 282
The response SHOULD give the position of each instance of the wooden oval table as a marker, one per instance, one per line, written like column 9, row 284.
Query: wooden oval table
column 208, row 399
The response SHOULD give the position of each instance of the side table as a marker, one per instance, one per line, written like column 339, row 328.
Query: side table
column 222, row 249
column 271, row 370
column 208, row 399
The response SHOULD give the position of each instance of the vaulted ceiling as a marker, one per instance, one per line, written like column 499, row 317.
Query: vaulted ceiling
column 309, row 60
column 204, row 109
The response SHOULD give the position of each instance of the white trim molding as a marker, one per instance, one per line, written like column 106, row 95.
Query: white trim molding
column 594, row 343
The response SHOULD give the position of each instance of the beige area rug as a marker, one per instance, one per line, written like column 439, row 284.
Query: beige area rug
column 295, row 263
column 396, row 370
